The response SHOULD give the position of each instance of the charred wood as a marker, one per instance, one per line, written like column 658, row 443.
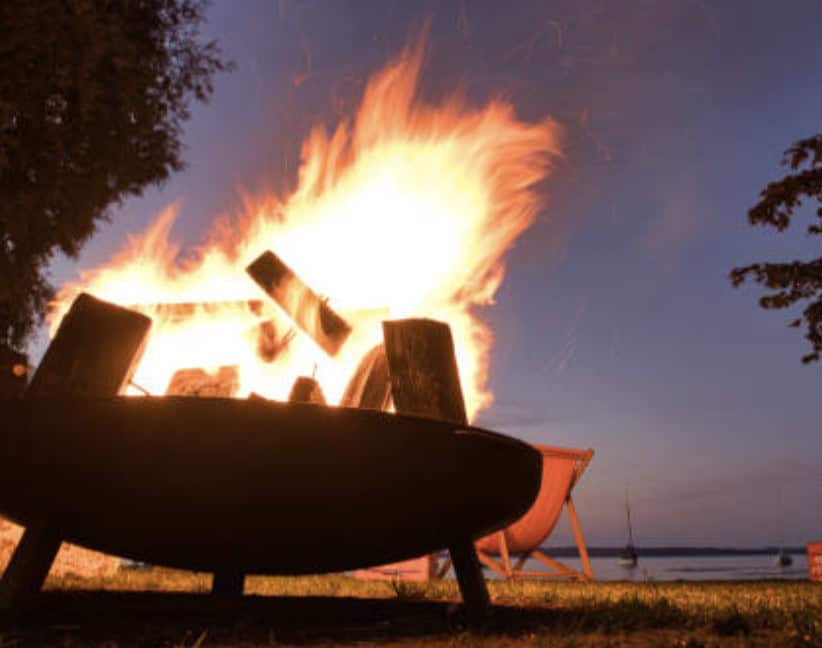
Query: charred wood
column 173, row 312
column 269, row 343
column 308, row 310
column 197, row 382
column 306, row 390
column 370, row 386
column 94, row 352
column 423, row 368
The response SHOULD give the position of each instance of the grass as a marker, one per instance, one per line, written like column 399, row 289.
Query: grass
column 167, row 608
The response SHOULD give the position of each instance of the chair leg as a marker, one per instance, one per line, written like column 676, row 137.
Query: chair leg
column 29, row 566
column 492, row 564
column 503, row 550
column 581, row 546
column 561, row 569
column 433, row 565
column 472, row 584
column 443, row 569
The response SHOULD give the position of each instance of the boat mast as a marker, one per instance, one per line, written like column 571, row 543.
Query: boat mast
column 628, row 512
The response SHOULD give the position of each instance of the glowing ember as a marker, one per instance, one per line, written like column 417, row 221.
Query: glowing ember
column 407, row 211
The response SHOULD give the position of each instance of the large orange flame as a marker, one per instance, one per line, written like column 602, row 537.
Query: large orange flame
column 407, row 211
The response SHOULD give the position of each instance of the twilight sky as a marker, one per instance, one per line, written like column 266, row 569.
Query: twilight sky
column 616, row 327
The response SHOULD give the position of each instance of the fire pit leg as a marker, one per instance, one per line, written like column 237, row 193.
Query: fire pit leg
column 425, row 382
column 94, row 353
column 228, row 584
column 471, row 581
column 29, row 566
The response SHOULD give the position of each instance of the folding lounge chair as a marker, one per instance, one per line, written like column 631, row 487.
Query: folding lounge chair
column 562, row 468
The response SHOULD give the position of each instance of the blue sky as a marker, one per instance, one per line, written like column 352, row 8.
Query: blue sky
column 616, row 326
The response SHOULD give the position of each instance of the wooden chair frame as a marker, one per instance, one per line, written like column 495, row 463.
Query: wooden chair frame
column 556, row 569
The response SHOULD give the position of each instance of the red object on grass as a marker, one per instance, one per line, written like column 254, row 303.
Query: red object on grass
column 815, row 561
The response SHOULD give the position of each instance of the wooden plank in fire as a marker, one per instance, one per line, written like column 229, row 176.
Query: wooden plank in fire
column 308, row 310
column 306, row 390
column 425, row 382
column 94, row 353
column 181, row 311
column 269, row 342
column 370, row 386
column 423, row 368
column 225, row 382
column 264, row 335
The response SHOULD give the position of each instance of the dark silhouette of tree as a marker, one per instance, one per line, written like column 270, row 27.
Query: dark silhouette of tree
column 93, row 94
column 795, row 281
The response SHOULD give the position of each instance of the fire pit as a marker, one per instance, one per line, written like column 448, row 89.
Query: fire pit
column 209, row 484
column 238, row 486
column 404, row 212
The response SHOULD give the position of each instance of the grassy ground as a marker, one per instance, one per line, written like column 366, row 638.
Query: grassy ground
column 167, row 608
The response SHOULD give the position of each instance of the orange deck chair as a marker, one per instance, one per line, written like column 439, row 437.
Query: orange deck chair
column 561, row 470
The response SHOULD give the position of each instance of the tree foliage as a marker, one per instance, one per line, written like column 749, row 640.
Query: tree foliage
column 93, row 94
column 794, row 281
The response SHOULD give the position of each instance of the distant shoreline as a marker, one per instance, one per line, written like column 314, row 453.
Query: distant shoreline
column 672, row 552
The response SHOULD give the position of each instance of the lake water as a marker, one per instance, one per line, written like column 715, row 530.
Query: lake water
column 671, row 568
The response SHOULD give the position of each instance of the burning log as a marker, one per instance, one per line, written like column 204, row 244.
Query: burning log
column 197, row 382
column 425, row 382
column 264, row 335
column 306, row 390
column 424, row 375
column 311, row 313
column 94, row 353
column 269, row 343
column 370, row 386
column 181, row 311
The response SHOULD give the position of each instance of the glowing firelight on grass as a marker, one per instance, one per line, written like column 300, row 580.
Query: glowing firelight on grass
column 405, row 211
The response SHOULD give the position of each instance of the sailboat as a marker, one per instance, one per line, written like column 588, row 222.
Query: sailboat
column 782, row 559
column 628, row 557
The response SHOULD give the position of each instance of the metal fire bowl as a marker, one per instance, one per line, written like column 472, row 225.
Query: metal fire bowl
column 272, row 488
